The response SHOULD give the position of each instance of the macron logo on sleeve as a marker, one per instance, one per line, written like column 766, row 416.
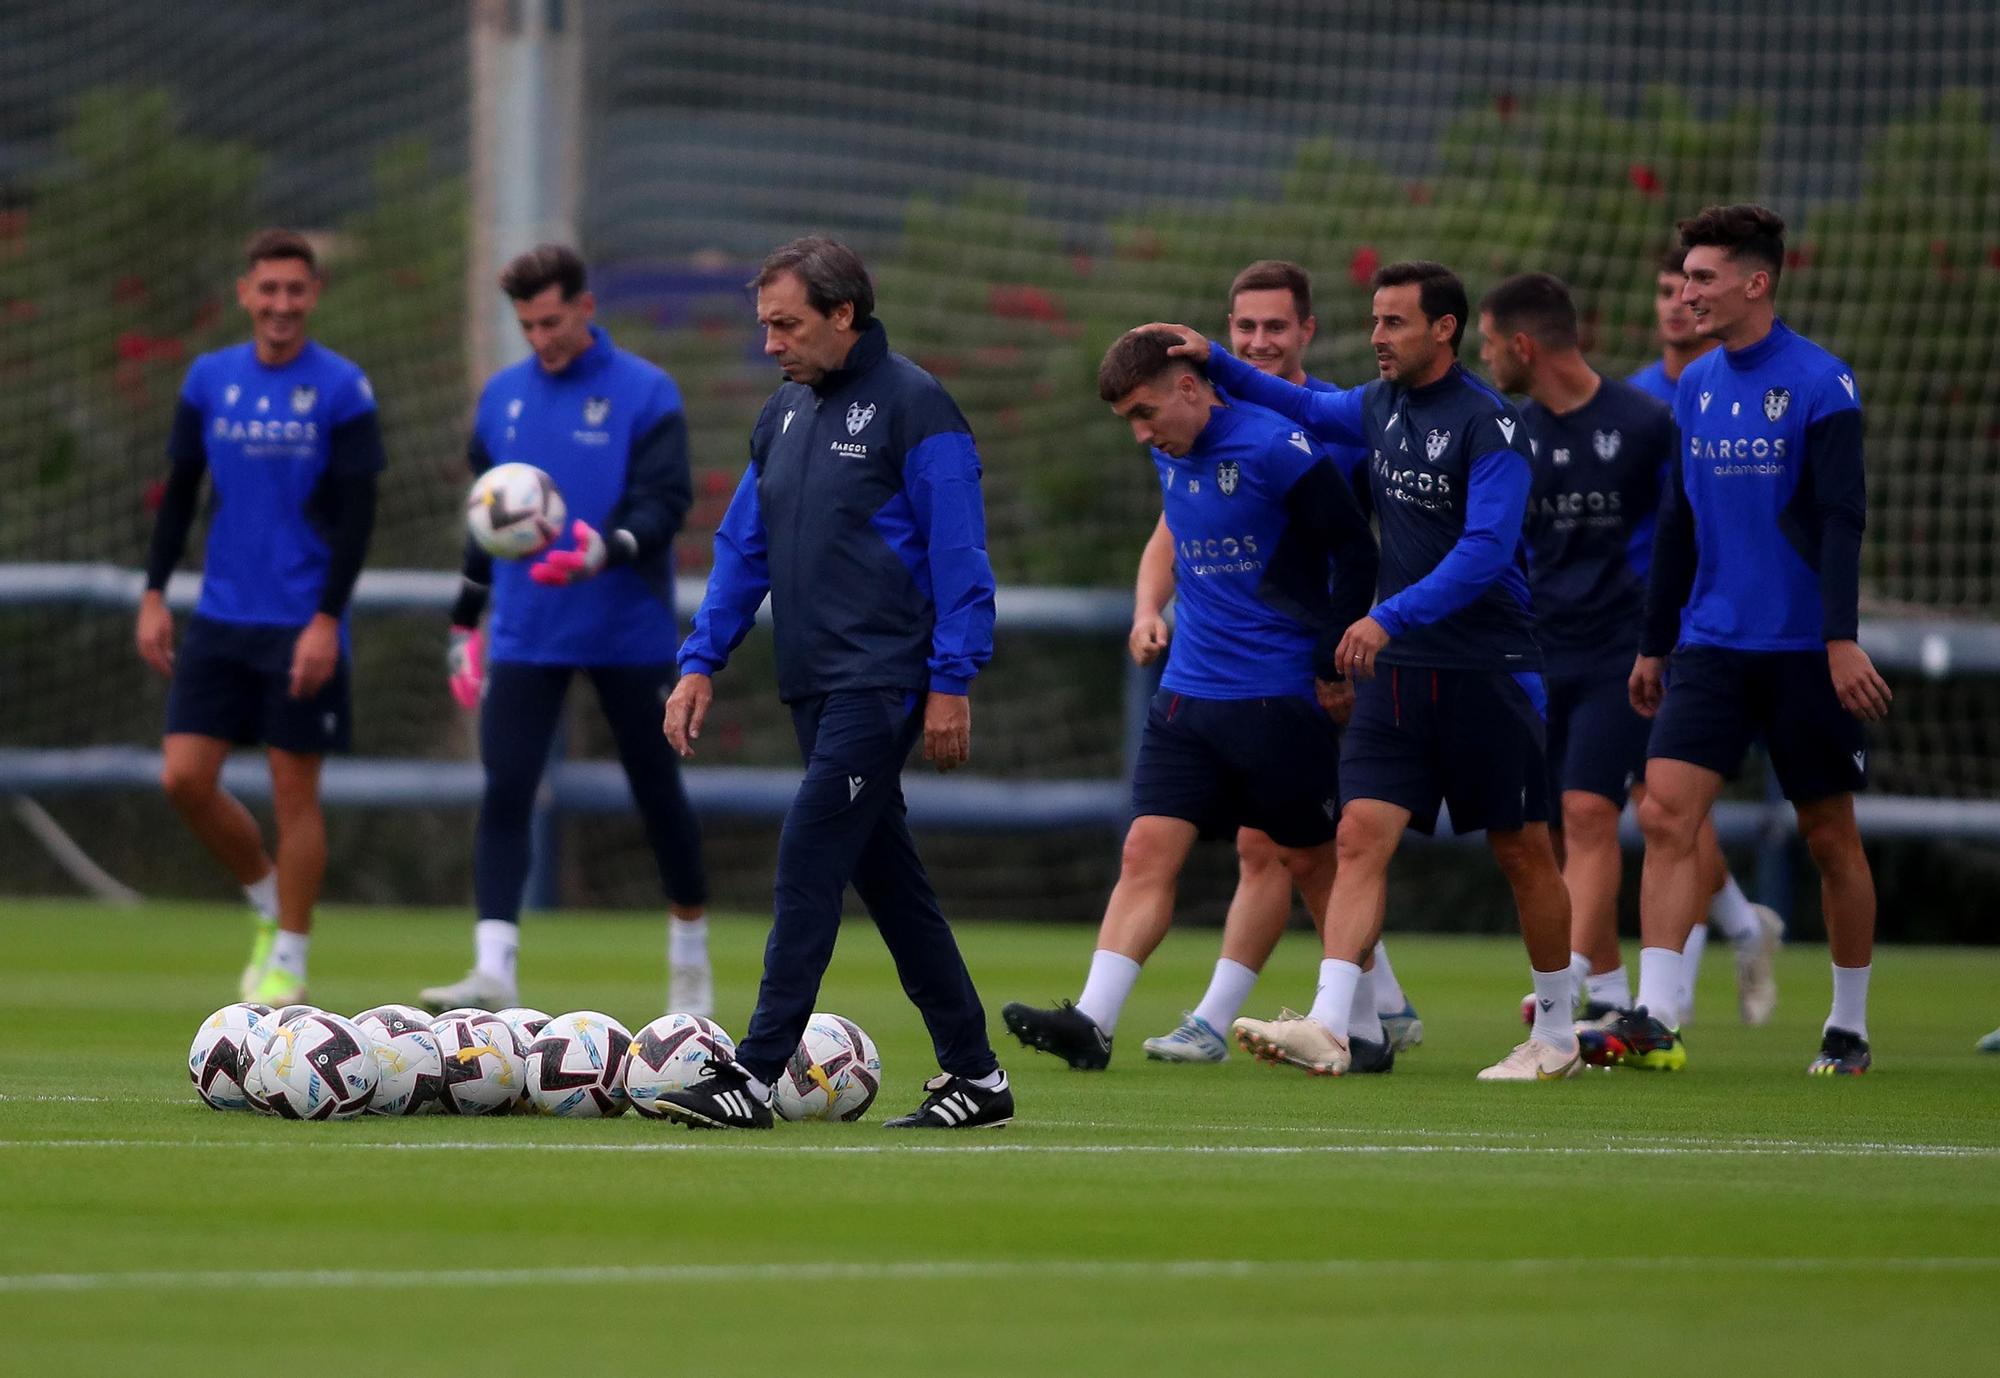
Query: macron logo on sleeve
column 1847, row 381
column 1507, row 429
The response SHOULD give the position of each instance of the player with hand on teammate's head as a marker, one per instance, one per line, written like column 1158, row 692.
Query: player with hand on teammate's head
column 1755, row 591
column 609, row 429
column 1273, row 560
column 286, row 431
column 1450, row 705
column 860, row 515
column 1271, row 325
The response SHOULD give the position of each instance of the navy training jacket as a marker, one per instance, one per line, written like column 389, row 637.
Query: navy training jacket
column 861, row 516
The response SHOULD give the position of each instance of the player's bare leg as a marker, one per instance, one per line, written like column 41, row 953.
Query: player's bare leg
column 1847, row 897
column 191, row 771
column 1674, row 889
column 1370, row 830
column 1258, row 912
column 1527, row 859
column 301, row 868
column 1593, row 868
column 1136, row 918
column 1754, row 932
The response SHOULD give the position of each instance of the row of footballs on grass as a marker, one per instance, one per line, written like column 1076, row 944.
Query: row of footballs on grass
column 304, row 1063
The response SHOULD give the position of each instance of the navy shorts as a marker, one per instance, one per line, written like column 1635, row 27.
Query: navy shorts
column 1470, row 739
column 1222, row 764
column 232, row 681
column 1718, row 701
column 1597, row 740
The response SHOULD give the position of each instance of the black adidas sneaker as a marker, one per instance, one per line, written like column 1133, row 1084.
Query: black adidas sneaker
column 956, row 1103
column 720, row 1099
column 1066, row 1031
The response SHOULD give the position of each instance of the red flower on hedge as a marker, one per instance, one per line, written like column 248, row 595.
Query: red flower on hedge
column 1644, row 178
column 1022, row 301
column 1361, row 268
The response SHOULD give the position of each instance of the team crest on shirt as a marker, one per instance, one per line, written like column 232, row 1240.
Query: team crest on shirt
column 514, row 409
column 1434, row 444
column 1775, row 402
column 303, row 399
column 1561, row 457
column 595, row 409
column 230, row 394
column 858, row 417
column 1606, row 444
column 1226, row 474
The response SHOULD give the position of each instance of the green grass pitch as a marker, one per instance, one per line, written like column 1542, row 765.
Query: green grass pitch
column 1737, row 1218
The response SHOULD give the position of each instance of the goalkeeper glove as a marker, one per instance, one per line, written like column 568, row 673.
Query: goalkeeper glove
column 560, row 567
column 465, row 659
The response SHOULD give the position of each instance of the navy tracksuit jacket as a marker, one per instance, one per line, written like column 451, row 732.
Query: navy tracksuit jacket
column 860, row 515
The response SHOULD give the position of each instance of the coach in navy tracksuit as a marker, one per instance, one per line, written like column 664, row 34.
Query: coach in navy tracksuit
column 860, row 515
column 608, row 427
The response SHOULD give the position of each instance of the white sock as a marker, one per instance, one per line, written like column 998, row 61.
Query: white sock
column 288, row 953
column 263, row 896
column 1660, row 984
column 1555, row 1023
column 756, row 1088
column 495, row 943
column 992, row 1081
column 1363, row 1021
column 1227, row 990
column 1684, row 993
column 1613, row 987
column 687, row 942
column 1579, row 973
column 1389, row 997
column 1112, row 976
column 1850, row 1000
column 1732, row 915
column 1335, row 997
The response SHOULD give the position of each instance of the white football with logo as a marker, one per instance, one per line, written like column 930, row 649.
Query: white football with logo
column 514, row 511
column 412, row 1068
column 576, row 1066
column 668, row 1055
column 219, row 1057
column 385, row 1020
column 482, row 1066
column 319, row 1067
column 834, row 1075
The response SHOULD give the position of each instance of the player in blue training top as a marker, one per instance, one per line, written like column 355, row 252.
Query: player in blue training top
column 1271, row 323
column 1600, row 449
column 286, row 431
column 608, row 427
column 1240, row 732
column 1753, row 930
column 1755, row 589
column 1450, row 702
column 861, row 516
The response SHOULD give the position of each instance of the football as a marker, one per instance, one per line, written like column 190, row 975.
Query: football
column 668, row 1054
column 833, row 1076
column 385, row 1020
column 319, row 1067
column 514, row 511
column 482, row 1067
column 412, row 1080
column 525, row 1023
column 576, row 1066
column 290, row 1014
column 462, row 1012
column 219, row 1058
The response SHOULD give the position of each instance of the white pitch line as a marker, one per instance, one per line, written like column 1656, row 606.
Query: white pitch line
column 1748, row 1149
column 938, row 1270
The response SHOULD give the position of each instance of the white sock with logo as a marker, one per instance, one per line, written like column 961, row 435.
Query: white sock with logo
column 495, row 945
column 1105, row 990
column 288, row 953
column 1335, row 997
column 1690, row 982
column 1850, row 1000
column 1660, row 984
column 1363, row 1021
column 1555, row 1022
column 263, row 896
column 1227, row 990
column 1729, row 910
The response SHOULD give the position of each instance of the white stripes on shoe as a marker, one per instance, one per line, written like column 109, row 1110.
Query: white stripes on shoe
column 735, row 1103
column 955, row 1109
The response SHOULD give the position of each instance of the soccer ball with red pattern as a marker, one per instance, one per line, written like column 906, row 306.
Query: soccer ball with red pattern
column 668, row 1054
column 576, row 1066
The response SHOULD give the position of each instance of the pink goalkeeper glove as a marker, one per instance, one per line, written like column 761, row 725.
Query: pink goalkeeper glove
column 560, row 567
column 465, row 658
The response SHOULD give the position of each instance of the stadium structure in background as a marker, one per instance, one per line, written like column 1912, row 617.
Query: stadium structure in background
column 1027, row 178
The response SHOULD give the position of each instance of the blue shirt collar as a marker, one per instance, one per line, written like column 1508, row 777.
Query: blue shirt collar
column 590, row 361
column 1757, row 355
column 869, row 350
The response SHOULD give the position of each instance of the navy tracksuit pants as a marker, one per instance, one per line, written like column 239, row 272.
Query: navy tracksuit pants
column 848, row 824
column 517, row 721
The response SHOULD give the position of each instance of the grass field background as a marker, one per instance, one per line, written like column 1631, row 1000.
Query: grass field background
column 1737, row 1218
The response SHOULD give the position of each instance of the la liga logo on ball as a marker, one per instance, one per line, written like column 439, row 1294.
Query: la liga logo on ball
column 514, row 511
